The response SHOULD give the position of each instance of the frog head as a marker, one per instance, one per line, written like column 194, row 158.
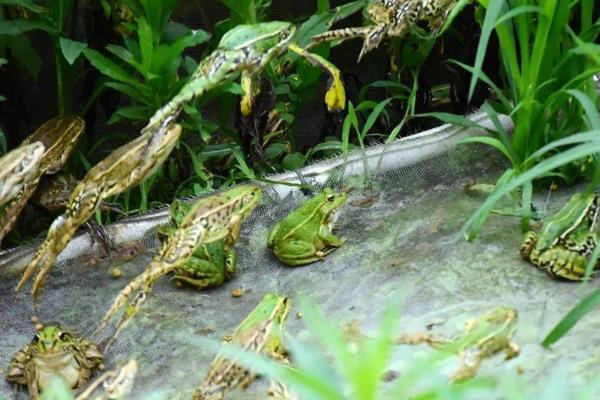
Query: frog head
column 330, row 201
column 51, row 338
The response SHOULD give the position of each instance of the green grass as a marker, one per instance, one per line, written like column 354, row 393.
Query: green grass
column 548, row 92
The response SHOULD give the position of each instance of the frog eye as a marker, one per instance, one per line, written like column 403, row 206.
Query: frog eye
column 330, row 198
column 62, row 335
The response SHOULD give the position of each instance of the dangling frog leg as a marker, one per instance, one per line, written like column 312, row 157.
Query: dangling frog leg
column 132, row 309
column 338, row 34
column 335, row 97
column 200, row 274
column 432, row 340
column 251, row 88
column 373, row 38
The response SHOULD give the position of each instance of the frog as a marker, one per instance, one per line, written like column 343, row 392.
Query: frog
column 54, row 352
column 246, row 49
column 566, row 240
column 17, row 167
column 59, row 136
column 260, row 332
column 117, row 384
column 304, row 235
column 391, row 19
column 210, row 265
column 54, row 194
column 483, row 337
column 125, row 167
column 210, row 219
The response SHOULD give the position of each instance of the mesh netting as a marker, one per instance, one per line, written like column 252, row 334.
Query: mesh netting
column 401, row 222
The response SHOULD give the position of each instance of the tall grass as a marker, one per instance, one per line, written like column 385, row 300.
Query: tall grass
column 549, row 59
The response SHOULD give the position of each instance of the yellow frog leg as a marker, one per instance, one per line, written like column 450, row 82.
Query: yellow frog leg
column 512, row 350
column 335, row 97
column 251, row 88
column 59, row 234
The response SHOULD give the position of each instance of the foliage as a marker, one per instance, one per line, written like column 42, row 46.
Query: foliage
column 550, row 94
column 340, row 367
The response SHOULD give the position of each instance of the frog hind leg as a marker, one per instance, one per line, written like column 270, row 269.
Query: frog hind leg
column 563, row 264
column 210, row 275
column 470, row 361
column 298, row 252
column 511, row 350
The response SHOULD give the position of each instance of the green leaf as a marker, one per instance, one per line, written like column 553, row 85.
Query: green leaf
column 275, row 150
column 110, row 68
column 473, row 225
column 28, row 4
column 26, row 55
column 293, row 161
column 494, row 9
column 132, row 113
column 146, row 42
column 586, row 305
column 591, row 111
column 19, row 26
column 59, row 12
column 71, row 49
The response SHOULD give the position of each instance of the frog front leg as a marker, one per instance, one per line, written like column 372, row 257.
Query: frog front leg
column 329, row 238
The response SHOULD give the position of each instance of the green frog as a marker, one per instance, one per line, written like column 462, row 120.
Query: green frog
column 17, row 167
column 210, row 265
column 391, row 19
column 246, row 50
column 482, row 338
column 304, row 236
column 566, row 240
column 123, row 168
column 54, row 352
column 260, row 332
column 58, row 136
column 210, row 219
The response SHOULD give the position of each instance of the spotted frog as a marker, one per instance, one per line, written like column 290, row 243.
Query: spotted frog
column 210, row 265
column 210, row 219
column 123, row 168
column 58, row 136
column 304, row 236
column 259, row 332
column 54, row 352
column 390, row 19
column 482, row 338
column 567, row 239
